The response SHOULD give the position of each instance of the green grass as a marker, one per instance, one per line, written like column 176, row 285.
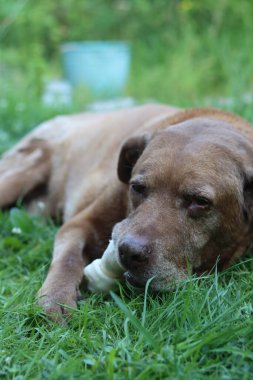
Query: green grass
column 202, row 330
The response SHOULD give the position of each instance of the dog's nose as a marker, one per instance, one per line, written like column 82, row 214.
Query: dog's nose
column 134, row 251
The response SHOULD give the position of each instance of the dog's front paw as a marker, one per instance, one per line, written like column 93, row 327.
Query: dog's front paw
column 58, row 304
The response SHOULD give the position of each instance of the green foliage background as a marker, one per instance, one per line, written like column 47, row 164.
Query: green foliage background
column 182, row 49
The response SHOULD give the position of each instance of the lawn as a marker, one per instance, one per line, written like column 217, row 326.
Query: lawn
column 203, row 329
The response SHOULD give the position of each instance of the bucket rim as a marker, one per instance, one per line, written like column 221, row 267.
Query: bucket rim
column 94, row 45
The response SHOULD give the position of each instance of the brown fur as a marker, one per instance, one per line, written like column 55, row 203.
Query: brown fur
column 189, row 202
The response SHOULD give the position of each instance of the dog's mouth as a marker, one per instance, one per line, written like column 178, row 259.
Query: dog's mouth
column 134, row 280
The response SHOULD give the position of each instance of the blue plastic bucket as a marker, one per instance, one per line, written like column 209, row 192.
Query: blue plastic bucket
column 103, row 67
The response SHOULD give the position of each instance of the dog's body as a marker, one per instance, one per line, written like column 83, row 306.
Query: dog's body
column 189, row 200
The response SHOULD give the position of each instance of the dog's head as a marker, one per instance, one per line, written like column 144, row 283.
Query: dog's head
column 190, row 202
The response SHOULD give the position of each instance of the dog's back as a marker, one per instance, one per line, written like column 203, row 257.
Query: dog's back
column 75, row 155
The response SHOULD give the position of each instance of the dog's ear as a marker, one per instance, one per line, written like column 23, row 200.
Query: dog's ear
column 248, row 199
column 245, row 160
column 129, row 154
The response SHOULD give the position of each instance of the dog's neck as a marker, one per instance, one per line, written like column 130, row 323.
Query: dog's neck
column 183, row 115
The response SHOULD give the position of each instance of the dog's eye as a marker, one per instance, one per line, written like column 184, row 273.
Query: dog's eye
column 138, row 188
column 201, row 202
column 197, row 205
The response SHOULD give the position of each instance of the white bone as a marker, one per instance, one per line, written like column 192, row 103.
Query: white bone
column 102, row 274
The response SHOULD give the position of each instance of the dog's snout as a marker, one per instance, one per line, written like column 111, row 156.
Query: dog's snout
column 133, row 251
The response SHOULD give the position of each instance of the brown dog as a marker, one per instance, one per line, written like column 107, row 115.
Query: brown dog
column 174, row 187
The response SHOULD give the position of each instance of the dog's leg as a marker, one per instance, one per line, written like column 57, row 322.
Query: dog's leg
column 77, row 243
column 61, row 286
column 23, row 169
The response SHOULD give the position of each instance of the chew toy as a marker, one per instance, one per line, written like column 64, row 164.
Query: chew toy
column 102, row 274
